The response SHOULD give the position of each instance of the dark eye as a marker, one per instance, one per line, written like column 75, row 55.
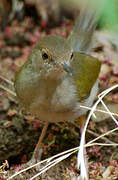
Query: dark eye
column 71, row 56
column 44, row 56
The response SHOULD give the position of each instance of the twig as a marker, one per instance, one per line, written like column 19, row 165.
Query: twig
column 99, row 110
column 97, row 135
column 105, row 134
column 109, row 112
column 6, row 80
column 8, row 90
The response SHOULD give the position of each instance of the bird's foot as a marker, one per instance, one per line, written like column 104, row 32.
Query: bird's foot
column 34, row 161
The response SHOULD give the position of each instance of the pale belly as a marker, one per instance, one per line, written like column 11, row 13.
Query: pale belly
column 63, row 106
column 45, row 114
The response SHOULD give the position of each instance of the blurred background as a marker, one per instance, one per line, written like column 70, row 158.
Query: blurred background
column 52, row 11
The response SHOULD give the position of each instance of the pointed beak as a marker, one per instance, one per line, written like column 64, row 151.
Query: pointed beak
column 67, row 68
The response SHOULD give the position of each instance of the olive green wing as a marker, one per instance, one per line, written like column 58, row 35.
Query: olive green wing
column 85, row 71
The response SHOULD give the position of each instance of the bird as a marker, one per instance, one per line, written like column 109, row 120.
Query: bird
column 60, row 75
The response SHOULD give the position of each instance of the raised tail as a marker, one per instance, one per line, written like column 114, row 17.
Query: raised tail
column 85, row 24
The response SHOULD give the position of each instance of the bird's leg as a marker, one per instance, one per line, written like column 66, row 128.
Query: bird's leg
column 38, row 146
column 37, row 152
column 81, row 122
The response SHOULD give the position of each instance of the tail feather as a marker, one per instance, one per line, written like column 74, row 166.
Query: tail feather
column 85, row 24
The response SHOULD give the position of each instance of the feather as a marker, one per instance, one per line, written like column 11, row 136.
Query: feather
column 85, row 24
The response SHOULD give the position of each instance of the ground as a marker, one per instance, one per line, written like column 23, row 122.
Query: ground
column 19, row 130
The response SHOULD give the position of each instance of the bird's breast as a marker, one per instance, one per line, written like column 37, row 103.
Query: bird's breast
column 56, row 102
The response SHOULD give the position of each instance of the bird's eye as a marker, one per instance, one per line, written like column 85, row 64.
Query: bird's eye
column 71, row 56
column 44, row 55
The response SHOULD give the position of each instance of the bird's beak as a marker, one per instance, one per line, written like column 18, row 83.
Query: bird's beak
column 67, row 68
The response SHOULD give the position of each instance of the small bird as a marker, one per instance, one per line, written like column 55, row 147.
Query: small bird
column 59, row 75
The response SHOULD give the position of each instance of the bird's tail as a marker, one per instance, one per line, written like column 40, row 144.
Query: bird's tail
column 85, row 24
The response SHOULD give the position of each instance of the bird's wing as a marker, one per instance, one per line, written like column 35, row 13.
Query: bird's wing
column 85, row 70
